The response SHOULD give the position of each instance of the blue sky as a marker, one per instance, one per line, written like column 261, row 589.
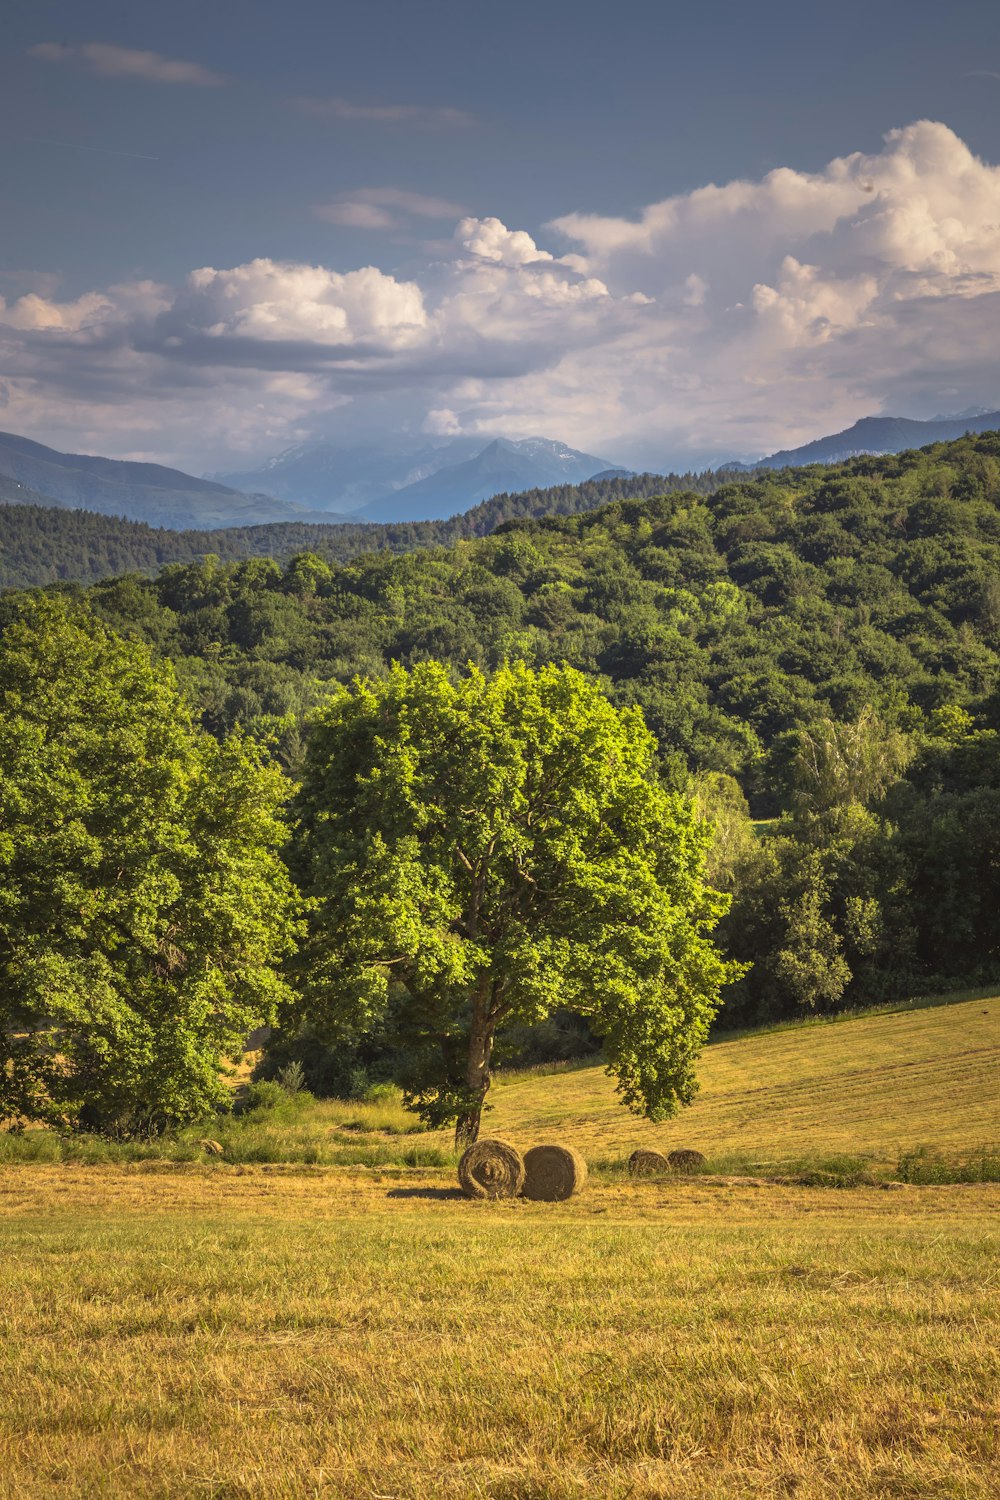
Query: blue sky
column 311, row 141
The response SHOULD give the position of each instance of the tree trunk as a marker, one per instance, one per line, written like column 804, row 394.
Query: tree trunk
column 467, row 1125
column 477, row 1072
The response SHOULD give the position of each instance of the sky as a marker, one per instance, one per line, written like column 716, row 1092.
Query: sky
column 667, row 234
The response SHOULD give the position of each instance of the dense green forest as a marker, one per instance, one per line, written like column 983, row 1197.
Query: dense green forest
column 816, row 651
column 42, row 544
column 731, row 619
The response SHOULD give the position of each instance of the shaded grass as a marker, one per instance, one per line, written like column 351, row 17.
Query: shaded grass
column 232, row 1332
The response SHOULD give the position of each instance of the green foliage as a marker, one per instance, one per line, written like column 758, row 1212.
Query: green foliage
column 838, row 764
column 142, row 901
column 822, row 643
column 483, row 851
column 41, row 544
column 925, row 1164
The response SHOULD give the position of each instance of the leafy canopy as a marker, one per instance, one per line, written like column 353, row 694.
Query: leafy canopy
column 142, row 900
column 484, row 851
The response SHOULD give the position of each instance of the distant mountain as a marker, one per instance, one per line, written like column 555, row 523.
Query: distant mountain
column 615, row 474
column 399, row 481
column 880, row 435
column 327, row 477
column 13, row 493
column 503, row 466
column 142, row 492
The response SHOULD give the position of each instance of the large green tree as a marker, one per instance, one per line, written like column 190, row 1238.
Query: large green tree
column 143, row 903
column 483, row 851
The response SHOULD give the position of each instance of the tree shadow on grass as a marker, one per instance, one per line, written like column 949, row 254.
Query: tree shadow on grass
column 424, row 1192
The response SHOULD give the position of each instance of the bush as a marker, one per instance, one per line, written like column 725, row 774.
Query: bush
column 380, row 1093
column 267, row 1099
column 292, row 1078
column 328, row 1070
column 924, row 1165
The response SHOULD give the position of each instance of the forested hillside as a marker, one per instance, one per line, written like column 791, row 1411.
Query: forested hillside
column 823, row 641
column 731, row 619
column 42, row 544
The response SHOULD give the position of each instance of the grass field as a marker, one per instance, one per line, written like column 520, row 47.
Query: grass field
column 878, row 1085
column 236, row 1329
column 871, row 1088
column 251, row 1332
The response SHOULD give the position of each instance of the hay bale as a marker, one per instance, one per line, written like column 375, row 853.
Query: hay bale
column 552, row 1173
column 491, row 1169
column 644, row 1163
column 686, row 1161
column 211, row 1148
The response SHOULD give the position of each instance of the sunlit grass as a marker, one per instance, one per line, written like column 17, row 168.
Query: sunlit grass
column 298, row 1129
column 277, row 1322
column 874, row 1087
column 256, row 1332
column 848, row 1101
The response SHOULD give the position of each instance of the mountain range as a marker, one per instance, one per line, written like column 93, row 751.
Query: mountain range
column 429, row 482
column 879, row 435
column 30, row 473
column 390, row 483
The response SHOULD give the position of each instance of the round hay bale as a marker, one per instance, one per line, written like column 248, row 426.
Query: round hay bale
column 644, row 1163
column 211, row 1148
column 552, row 1173
column 491, row 1169
column 686, row 1161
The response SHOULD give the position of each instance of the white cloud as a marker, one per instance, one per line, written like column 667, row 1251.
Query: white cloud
column 731, row 320
column 110, row 61
column 488, row 239
column 385, row 208
column 430, row 115
column 355, row 213
column 441, row 421
column 267, row 301
column 34, row 313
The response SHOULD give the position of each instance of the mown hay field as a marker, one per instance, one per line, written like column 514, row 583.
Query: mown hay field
column 231, row 1328
column 873, row 1087
column 878, row 1084
column 233, row 1331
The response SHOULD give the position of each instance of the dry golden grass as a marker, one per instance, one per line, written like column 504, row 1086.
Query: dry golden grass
column 270, row 1332
column 877, row 1084
column 252, row 1332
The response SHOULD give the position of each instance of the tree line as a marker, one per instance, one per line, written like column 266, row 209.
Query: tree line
column 42, row 544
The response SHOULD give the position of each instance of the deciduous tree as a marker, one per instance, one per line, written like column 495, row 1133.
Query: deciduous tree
column 143, row 903
column 486, row 850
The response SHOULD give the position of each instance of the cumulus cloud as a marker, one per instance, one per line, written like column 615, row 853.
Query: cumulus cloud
column 490, row 240
column 33, row 313
column 433, row 115
column 111, row 61
column 267, row 300
column 728, row 321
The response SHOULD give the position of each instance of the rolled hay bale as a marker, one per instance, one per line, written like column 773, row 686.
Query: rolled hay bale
column 491, row 1169
column 211, row 1148
column 686, row 1161
column 552, row 1173
column 643, row 1163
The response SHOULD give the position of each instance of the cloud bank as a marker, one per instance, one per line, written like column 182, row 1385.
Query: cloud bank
column 731, row 320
